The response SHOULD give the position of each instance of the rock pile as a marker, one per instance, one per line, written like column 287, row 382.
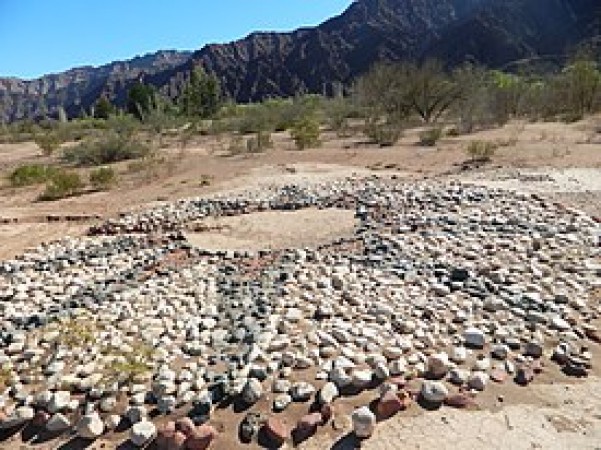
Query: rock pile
column 446, row 283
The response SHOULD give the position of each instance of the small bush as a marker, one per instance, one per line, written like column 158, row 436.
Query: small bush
column 259, row 143
column 61, row 185
column 48, row 142
column 236, row 146
column 430, row 136
column 453, row 132
column 571, row 117
column 205, row 180
column 481, row 151
column 30, row 174
column 106, row 150
column 305, row 133
column 103, row 178
column 384, row 134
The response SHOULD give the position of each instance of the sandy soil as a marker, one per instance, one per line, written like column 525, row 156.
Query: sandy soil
column 560, row 161
column 558, row 416
column 273, row 229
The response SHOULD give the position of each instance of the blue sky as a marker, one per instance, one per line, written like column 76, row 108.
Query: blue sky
column 48, row 36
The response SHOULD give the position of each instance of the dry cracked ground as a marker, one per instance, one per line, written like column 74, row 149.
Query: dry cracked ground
column 558, row 162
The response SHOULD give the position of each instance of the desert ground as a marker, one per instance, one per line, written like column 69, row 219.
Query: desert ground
column 559, row 162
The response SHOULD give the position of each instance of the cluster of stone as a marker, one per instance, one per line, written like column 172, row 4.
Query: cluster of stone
column 449, row 286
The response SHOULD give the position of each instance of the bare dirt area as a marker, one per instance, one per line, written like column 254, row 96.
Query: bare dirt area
column 554, row 416
column 305, row 228
column 557, row 161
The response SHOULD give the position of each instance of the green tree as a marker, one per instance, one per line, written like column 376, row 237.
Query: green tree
column 201, row 95
column 399, row 90
column 473, row 105
column 383, row 93
column 140, row 100
column 431, row 91
column 582, row 79
column 103, row 108
column 507, row 92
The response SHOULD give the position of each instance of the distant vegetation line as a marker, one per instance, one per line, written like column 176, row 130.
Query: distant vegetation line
column 83, row 154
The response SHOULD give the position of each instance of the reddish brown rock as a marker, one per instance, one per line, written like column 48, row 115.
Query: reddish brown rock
column 185, row 425
column 326, row 413
column 40, row 419
column 388, row 405
column 276, row 431
column 178, row 441
column 307, row 425
column 498, row 375
column 537, row 366
column 165, row 434
column 594, row 335
column 459, row 400
column 201, row 438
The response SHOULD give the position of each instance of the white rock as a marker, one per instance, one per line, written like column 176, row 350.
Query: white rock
column 302, row 391
column 90, row 426
column 398, row 366
column 328, row 393
column 474, row 337
column 560, row 324
column 459, row 355
column 281, row 402
column 252, row 392
column 112, row 421
column 58, row 423
column 142, row 433
column 434, row 391
column 339, row 377
column 362, row 378
column 364, row 422
column 60, row 400
column 478, row 381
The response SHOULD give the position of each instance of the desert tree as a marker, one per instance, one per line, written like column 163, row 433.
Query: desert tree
column 582, row 81
column 472, row 106
column 382, row 92
column 141, row 99
column 103, row 108
column 201, row 95
column 400, row 90
column 431, row 91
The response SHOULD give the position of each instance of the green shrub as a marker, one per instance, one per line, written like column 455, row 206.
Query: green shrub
column 430, row 136
column 48, row 142
column 305, row 133
column 571, row 117
column 62, row 184
column 109, row 149
column 453, row 132
column 30, row 174
column 259, row 143
column 385, row 134
column 103, row 178
column 481, row 151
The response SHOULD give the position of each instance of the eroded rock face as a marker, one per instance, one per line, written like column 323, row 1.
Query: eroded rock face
column 147, row 322
column 268, row 65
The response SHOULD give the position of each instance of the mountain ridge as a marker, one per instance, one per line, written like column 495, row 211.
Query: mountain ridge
column 322, row 58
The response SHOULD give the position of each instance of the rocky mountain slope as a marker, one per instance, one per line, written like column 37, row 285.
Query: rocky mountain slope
column 493, row 32
column 78, row 88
